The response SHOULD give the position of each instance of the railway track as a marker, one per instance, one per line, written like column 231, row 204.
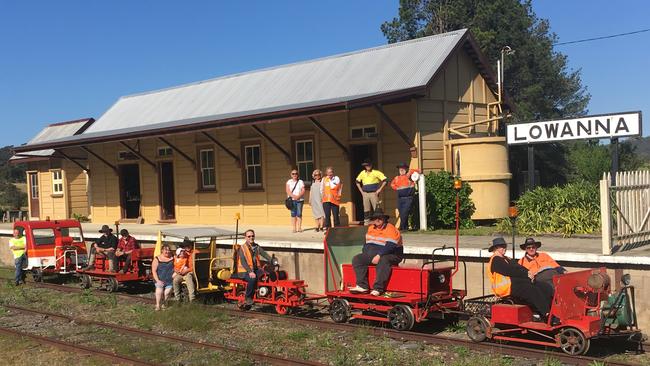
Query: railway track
column 271, row 359
column 485, row 347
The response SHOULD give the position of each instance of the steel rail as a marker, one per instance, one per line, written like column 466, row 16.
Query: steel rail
column 391, row 333
column 73, row 347
column 272, row 359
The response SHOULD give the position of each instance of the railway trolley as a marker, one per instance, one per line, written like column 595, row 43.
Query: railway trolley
column 53, row 247
column 584, row 307
column 101, row 277
column 211, row 269
column 414, row 293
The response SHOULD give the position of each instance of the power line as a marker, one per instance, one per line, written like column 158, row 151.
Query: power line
column 603, row 37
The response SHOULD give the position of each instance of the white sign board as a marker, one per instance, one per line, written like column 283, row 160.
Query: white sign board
column 589, row 127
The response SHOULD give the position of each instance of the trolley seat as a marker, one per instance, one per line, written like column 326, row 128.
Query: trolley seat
column 408, row 278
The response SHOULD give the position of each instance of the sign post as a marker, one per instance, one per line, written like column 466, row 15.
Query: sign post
column 612, row 126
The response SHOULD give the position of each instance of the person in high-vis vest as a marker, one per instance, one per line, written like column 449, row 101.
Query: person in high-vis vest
column 508, row 278
column 370, row 183
column 331, row 190
column 405, row 188
column 17, row 245
column 383, row 248
column 249, row 267
column 540, row 264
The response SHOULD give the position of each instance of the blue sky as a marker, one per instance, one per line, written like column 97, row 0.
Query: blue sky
column 64, row 60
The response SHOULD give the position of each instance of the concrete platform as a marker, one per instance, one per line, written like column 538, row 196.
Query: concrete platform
column 583, row 249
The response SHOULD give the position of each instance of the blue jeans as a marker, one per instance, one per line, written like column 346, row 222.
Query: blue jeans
column 296, row 208
column 404, row 207
column 251, row 283
column 20, row 262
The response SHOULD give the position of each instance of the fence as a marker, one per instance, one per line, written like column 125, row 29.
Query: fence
column 625, row 211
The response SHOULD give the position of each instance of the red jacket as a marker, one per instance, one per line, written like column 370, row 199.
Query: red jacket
column 127, row 244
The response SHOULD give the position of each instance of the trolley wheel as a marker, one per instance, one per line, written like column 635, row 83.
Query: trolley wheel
column 340, row 310
column 37, row 275
column 281, row 308
column 573, row 341
column 112, row 285
column 401, row 317
column 85, row 281
column 477, row 328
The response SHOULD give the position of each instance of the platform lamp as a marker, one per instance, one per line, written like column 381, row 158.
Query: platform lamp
column 512, row 213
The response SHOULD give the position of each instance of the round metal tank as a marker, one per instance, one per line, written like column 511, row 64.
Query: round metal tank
column 483, row 163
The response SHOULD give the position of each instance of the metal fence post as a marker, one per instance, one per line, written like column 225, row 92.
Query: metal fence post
column 605, row 216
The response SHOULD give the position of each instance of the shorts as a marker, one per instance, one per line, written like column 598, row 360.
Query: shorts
column 296, row 208
column 166, row 286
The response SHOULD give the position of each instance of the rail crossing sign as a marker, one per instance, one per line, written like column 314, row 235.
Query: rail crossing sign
column 610, row 126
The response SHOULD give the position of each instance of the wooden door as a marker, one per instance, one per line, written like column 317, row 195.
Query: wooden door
column 34, row 203
column 166, row 191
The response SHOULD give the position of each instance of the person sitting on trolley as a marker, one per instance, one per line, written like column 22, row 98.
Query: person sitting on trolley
column 543, row 267
column 125, row 248
column 106, row 245
column 183, row 270
column 383, row 248
column 249, row 267
column 508, row 278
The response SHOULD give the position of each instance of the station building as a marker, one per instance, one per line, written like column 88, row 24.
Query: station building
column 57, row 183
column 201, row 152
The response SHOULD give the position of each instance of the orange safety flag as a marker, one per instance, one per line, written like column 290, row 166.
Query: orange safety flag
column 501, row 285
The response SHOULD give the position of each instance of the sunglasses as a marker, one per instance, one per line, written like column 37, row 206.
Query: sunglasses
column 250, row 236
column 294, row 173
column 531, row 247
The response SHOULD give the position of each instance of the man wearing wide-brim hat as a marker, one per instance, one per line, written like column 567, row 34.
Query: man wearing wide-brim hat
column 543, row 267
column 508, row 278
column 383, row 248
column 105, row 245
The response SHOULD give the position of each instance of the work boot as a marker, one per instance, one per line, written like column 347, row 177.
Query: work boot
column 249, row 301
column 91, row 263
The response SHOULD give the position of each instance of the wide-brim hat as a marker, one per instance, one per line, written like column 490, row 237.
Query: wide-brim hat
column 379, row 213
column 402, row 165
column 497, row 242
column 530, row 241
column 105, row 228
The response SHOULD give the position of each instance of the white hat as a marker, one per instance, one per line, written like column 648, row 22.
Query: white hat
column 179, row 251
column 415, row 176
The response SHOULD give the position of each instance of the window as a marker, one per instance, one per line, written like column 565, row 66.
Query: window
column 208, row 179
column 253, row 165
column 363, row 132
column 305, row 159
column 126, row 155
column 33, row 185
column 73, row 232
column 43, row 236
column 165, row 151
column 57, row 182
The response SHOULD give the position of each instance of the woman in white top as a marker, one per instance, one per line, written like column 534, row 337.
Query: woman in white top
column 295, row 188
column 316, row 199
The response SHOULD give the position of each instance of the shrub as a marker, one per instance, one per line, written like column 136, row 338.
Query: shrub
column 567, row 210
column 80, row 217
column 441, row 203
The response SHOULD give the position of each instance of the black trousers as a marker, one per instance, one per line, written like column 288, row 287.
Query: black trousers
column 361, row 261
column 404, row 207
column 251, row 283
column 127, row 261
column 331, row 209
column 537, row 294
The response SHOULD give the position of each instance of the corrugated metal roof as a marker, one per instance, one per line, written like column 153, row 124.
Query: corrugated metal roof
column 55, row 131
column 321, row 82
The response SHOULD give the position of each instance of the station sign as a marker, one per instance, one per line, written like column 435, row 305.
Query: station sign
column 603, row 126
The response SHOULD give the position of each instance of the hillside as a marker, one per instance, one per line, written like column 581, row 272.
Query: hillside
column 642, row 145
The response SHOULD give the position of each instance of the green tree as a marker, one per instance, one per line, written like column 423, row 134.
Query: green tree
column 12, row 197
column 588, row 160
column 536, row 77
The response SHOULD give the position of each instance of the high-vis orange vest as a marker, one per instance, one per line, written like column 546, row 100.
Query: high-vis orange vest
column 403, row 184
column 246, row 249
column 180, row 262
column 501, row 285
column 379, row 236
column 541, row 262
column 331, row 194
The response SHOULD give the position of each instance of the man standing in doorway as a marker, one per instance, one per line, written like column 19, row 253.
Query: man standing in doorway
column 370, row 183
column 17, row 246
